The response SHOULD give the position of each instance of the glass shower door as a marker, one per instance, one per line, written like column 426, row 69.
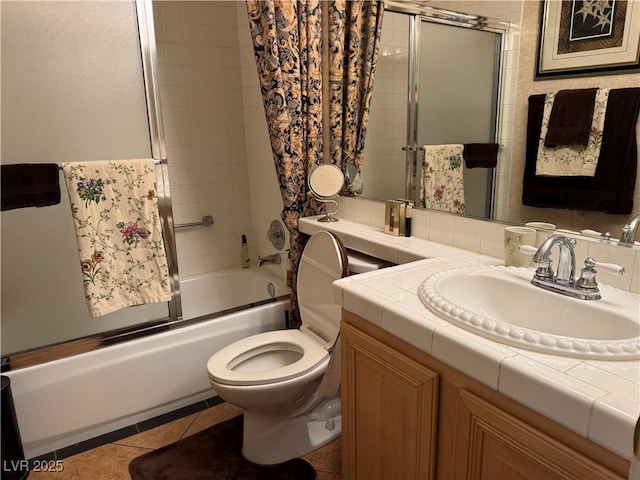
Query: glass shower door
column 457, row 93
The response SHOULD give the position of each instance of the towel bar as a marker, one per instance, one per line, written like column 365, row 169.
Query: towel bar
column 207, row 221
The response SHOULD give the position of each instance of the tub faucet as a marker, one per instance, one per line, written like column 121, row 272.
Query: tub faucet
column 564, row 281
column 273, row 259
column 628, row 236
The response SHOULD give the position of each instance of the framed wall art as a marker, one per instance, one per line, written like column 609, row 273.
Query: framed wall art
column 588, row 37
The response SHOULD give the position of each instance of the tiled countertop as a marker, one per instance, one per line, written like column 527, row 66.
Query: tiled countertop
column 597, row 399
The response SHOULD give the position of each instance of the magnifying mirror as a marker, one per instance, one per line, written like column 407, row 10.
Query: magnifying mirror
column 325, row 182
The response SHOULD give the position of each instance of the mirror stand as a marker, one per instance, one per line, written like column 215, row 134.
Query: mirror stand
column 328, row 217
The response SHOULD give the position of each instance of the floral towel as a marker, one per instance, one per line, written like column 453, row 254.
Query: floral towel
column 574, row 160
column 115, row 213
column 441, row 182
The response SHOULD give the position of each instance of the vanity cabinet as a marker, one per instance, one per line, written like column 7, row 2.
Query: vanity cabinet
column 407, row 416
column 392, row 403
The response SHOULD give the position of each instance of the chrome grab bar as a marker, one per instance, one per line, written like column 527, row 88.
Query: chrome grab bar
column 207, row 221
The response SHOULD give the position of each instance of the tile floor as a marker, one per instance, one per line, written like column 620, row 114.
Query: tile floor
column 111, row 460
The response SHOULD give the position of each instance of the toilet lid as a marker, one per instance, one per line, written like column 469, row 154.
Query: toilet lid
column 229, row 365
column 324, row 260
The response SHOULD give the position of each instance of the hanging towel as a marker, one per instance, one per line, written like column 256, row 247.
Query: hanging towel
column 574, row 160
column 30, row 185
column 441, row 182
column 480, row 155
column 115, row 214
column 612, row 188
column 571, row 117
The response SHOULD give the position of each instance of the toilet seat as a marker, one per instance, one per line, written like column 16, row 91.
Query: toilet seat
column 281, row 355
column 223, row 366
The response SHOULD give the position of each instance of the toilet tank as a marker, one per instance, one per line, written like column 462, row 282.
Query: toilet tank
column 361, row 263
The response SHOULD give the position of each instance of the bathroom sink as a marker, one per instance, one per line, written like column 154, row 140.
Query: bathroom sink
column 500, row 303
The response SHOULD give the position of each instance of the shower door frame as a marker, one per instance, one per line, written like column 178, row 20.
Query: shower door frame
column 46, row 353
column 418, row 13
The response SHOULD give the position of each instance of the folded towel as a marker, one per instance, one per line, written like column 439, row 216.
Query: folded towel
column 571, row 117
column 441, row 182
column 30, row 185
column 612, row 187
column 574, row 160
column 115, row 213
column 484, row 155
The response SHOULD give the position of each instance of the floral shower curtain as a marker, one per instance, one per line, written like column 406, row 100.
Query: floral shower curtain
column 287, row 41
column 288, row 51
column 354, row 40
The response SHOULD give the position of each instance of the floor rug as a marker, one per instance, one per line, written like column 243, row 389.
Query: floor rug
column 213, row 454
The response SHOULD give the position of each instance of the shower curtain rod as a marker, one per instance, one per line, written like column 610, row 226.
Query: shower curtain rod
column 155, row 161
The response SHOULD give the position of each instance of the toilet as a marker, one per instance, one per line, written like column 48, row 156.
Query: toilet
column 275, row 377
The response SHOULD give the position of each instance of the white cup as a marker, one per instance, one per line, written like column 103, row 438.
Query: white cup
column 543, row 230
column 514, row 237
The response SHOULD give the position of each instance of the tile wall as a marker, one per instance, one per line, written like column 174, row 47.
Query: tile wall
column 217, row 146
column 486, row 237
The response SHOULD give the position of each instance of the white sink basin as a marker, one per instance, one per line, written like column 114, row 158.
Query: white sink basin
column 501, row 304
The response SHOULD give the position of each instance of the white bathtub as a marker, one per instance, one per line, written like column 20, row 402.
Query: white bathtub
column 227, row 289
column 66, row 401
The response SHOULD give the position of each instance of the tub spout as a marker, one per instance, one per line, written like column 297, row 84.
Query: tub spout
column 273, row 259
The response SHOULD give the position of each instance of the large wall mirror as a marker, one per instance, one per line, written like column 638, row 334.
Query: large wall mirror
column 447, row 74
column 438, row 82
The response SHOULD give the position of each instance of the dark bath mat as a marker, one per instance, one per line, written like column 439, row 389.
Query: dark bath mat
column 213, row 454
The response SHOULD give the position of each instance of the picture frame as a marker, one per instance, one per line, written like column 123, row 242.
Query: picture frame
column 579, row 38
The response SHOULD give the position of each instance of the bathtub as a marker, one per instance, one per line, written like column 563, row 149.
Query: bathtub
column 227, row 289
column 66, row 401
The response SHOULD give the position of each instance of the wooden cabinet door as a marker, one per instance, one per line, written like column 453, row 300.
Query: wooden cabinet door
column 389, row 412
column 487, row 443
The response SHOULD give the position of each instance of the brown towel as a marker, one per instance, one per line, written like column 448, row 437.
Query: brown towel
column 571, row 117
column 484, row 155
column 611, row 189
column 30, row 185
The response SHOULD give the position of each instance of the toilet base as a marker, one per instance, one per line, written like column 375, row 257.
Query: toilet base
column 270, row 439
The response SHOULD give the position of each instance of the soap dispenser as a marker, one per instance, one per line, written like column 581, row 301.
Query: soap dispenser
column 245, row 261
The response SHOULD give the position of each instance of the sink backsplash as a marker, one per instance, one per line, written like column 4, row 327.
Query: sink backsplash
column 486, row 237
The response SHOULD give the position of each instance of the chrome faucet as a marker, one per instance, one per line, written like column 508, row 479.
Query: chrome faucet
column 564, row 282
column 628, row 236
column 273, row 259
column 566, row 262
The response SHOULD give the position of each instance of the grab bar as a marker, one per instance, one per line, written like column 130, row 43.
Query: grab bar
column 207, row 221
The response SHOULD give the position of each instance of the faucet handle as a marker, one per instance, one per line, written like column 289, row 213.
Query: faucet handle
column 528, row 249
column 587, row 280
column 611, row 267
